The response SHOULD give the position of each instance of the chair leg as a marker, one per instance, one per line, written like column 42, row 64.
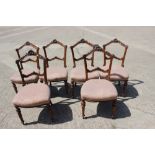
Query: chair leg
column 72, row 87
column 49, row 106
column 20, row 114
column 119, row 83
column 15, row 87
column 66, row 86
column 125, row 88
column 83, row 104
column 114, row 109
column 50, row 83
column 41, row 81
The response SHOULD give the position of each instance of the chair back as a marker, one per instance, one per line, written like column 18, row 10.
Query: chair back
column 116, row 41
column 107, row 70
column 82, row 41
column 34, row 49
column 55, row 57
column 25, row 59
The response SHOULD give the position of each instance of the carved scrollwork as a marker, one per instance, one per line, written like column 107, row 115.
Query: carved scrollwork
column 115, row 40
column 82, row 40
column 27, row 43
column 31, row 52
column 97, row 48
column 55, row 41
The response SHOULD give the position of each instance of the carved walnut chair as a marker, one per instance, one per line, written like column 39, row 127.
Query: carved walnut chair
column 56, row 73
column 118, row 72
column 33, row 94
column 16, row 78
column 97, row 90
column 78, row 72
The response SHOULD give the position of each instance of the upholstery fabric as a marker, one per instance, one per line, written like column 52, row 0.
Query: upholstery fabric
column 56, row 74
column 98, row 90
column 16, row 78
column 78, row 74
column 34, row 94
column 117, row 73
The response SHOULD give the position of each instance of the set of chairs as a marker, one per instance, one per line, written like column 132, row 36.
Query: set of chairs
column 97, row 82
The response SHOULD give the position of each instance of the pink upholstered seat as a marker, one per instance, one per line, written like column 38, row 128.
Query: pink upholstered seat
column 32, row 95
column 78, row 74
column 56, row 74
column 16, row 78
column 98, row 90
column 117, row 73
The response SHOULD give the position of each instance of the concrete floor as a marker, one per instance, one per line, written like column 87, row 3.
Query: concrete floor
column 137, row 110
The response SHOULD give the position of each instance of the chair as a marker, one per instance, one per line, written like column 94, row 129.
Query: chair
column 96, row 90
column 16, row 78
column 118, row 72
column 56, row 74
column 33, row 94
column 78, row 72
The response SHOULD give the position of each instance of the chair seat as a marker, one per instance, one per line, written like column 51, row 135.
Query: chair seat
column 16, row 78
column 56, row 74
column 98, row 90
column 117, row 73
column 78, row 74
column 32, row 95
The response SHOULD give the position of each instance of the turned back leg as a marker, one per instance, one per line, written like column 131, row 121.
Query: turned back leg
column 66, row 86
column 72, row 87
column 114, row 109
column 125, row 88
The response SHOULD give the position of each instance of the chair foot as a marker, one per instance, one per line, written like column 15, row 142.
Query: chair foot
column 83, row 104
column 15, row 87
column 20, row 115
column 66, row 86
column 113, row 109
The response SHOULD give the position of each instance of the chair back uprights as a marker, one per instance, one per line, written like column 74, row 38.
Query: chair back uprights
column 118, row 58
column 25, row 59
column 82, row 41
column 107, row 70
column 35, row 50
column 55, row 57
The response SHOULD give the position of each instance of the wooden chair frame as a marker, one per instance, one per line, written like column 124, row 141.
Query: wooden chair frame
column 118, row 58
column 125, row 51
column 82, row 41
column 97, row 48
column 19, row 57
column 54, row 58
column 57, row 58
column 23, row 60
column 19, row 63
